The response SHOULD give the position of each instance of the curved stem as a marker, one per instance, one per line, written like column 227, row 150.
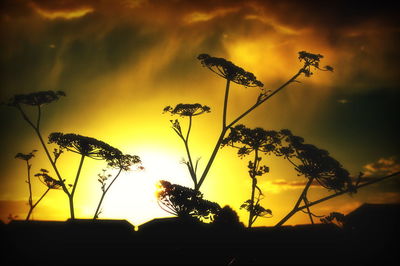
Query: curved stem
column 37, row 202
column 30, row 187
column 258, row 103
column 253, row 188
column 96, row 214
column 225, row 104
column 38, row 117
column 296, row 206
column 71, row 195
column 190, row 162
column 348, row 190
column 219, row 141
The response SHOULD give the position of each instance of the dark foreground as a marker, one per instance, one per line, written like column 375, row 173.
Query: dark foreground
column 369, row 235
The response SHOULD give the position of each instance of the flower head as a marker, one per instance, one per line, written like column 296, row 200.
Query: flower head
column 187, row 109
column 311, row 60
column 35, row 98
column 229, row 71
column 25, row 157
column 86, row 146
column 313, row 162
column 48, row 180
column 123, row 161
column 248, row 140
column 185, row 202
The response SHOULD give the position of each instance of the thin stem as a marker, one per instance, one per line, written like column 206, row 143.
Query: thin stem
column 96, row 214
column 264, row 99
column 296, row 209
column 226, row 127
column 308, row 209
column 225, row 104
column 37, row 202
column 190, row 162
column 37, row 131
column 71, row 195
column 333, row 196
column 348, row 190
column 77, row 175
column 253, row 188
column 219, row 141
column 30, row 186
column 211, row 160
column 38, row 117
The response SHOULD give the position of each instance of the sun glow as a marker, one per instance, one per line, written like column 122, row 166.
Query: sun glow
column 133, row 196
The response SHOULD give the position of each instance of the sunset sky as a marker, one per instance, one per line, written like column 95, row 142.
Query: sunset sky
column 121, row 62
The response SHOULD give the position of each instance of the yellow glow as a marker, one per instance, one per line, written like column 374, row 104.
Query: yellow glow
column 206, row 16
column 64, row 14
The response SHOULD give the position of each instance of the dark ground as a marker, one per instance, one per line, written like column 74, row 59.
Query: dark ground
column 172, row 241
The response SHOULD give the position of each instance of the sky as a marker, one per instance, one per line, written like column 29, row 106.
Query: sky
column 121, row 62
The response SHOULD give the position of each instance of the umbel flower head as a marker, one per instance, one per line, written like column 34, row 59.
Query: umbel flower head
column 314, row 162
column 35, row 98
column 86, row 146
column 311, row 60
column 185, row 202
column 187, row 109
column 48, row 180
column 123, row 161
column 25, row 157
column 248, row 140
column 229, row 71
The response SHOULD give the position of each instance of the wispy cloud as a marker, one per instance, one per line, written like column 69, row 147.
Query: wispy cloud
column 280, row 185
column 383, row 166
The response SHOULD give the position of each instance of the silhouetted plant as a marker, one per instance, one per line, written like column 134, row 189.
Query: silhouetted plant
column 185, row 202
column 121, row 162
column 37, row 100
column 232, row 73
column 95, row 149
column 227, row 218
column 187, row 110
column 255, row 141
column 316, row 165
column 26, row 158
column 43, row 177
column 335, row 218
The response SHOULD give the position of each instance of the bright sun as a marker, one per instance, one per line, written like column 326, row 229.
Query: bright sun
column 132, row 196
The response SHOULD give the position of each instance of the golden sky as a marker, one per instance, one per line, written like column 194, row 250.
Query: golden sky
column 121, row 62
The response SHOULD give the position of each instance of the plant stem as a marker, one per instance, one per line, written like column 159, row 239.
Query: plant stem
column 37, row 202
column 186, row 142
column 219, row 141
column 71, row 195
column 30, row 188
column 258, row 103
column 226, row 127
column 37, row 131
column 296, row 209
column 333, row 196
column 253, row 188
column 104, row 194
column 225, row 104
column 348, row 190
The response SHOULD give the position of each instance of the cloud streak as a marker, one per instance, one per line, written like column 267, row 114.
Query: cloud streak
column 382, row 167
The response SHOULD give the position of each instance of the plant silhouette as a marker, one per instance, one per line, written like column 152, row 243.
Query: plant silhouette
column 256, row 141
column 185, row 202
column 232, row 73
column 121, row 162
column 187, row 110
column 336, row 218
column 43, row 177
column 315, row 165
column 95, row 149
